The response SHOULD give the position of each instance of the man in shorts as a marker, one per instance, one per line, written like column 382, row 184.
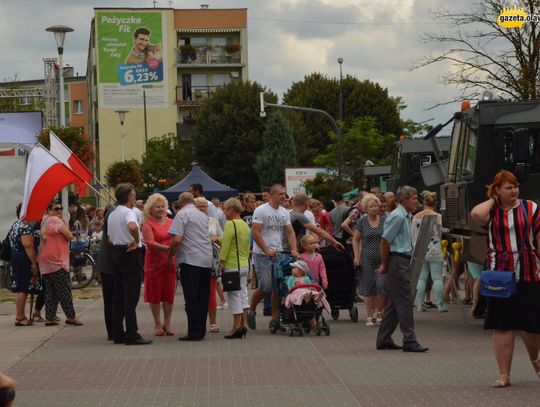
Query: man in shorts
column 270, row 222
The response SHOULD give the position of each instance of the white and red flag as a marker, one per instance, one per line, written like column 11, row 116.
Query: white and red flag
column 63, row 154
column 45, row 177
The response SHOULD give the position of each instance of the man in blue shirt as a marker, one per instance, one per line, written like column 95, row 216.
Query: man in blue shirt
column 396, row 251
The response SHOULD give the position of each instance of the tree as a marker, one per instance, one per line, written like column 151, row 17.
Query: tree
column 486, row 56
column 278, row 151
column 228, row 133
column 125, row 171
column 360, row 98
column 165, row 162
column 327, row 185
column 362, row 141
column 72, row 137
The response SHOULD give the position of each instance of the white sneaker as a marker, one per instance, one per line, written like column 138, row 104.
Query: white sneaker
column 223, row 306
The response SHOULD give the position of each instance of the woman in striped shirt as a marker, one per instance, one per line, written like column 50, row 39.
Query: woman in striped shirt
column 513, row 227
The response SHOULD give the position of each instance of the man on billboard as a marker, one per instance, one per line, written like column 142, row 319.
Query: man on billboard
column 141, row 38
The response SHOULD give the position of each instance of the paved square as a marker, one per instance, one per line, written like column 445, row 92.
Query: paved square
column 76, row 366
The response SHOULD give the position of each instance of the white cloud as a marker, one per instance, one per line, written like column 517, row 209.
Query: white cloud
column 288, row 39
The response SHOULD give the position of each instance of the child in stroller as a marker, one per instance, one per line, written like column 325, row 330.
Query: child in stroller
column 305, row 301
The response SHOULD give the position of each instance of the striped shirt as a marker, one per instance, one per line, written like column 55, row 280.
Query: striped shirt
column 511, row 240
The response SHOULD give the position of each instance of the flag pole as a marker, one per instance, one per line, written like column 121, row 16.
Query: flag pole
column 108, row 199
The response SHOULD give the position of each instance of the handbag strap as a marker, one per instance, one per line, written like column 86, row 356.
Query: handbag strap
column 236, row 240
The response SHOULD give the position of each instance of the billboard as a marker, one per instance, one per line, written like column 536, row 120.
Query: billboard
column 131, row 57
column 20, row 127
column 295, row 178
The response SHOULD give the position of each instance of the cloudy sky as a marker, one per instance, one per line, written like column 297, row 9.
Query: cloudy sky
column 288, row 39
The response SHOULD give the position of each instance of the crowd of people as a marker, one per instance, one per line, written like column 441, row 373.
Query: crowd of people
column 204, row 240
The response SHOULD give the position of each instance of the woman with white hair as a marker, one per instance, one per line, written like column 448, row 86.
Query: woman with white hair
column 159, row 275
column 367, row 239
column 234, row 257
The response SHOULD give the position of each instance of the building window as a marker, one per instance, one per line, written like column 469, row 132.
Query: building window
column 77, row 107
column 25, row 100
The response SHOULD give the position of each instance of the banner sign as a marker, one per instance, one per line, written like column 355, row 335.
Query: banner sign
column 295, row 178
column 131, row 58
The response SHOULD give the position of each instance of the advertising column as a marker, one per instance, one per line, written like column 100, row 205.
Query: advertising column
column 130, row 48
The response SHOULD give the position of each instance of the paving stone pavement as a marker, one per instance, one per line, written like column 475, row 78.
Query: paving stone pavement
column 76, row 366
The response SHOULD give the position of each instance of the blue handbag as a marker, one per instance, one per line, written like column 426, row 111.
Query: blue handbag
column 502, row 284
column 498, row 284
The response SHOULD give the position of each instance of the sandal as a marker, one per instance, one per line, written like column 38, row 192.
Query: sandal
column 52, row 323
column 159, row 332
column 370, row 322
column 38, row 318
column 23, row 322
column 500, row 382
column 536, row 366
column 168, row 332
column 75, row 322
column 214, row 329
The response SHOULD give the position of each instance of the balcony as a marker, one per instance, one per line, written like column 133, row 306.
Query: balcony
column 227, row 56
column 193, row 95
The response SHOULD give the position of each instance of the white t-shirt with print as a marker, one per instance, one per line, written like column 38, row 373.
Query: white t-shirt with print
column 273, row 221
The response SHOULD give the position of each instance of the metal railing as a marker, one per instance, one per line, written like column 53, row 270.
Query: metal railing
column 216, row 56
column 193, row 95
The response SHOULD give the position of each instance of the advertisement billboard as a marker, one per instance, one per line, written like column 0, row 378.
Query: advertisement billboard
column 131, row 50
column 295, row 178
column 20, row 127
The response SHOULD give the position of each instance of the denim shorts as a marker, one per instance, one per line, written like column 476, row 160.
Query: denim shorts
column 263, row 270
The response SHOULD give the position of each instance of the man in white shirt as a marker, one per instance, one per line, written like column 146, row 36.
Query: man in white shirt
column 270, row 222
column 193, row 250
column 124, row 236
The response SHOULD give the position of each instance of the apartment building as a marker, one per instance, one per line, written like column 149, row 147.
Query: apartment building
column 157, row 65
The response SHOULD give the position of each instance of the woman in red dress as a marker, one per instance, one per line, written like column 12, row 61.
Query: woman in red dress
column 159, row 276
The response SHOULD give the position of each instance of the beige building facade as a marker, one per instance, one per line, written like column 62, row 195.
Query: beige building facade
column 158, row 65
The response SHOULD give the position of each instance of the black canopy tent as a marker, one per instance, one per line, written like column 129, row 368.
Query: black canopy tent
column 211, row 187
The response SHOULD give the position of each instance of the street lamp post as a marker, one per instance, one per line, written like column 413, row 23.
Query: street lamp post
column 122, row 116
column 340, row 135
column 60, row 35
column 340, row 62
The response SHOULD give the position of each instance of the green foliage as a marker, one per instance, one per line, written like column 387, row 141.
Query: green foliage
column 165, row 162
column 360, row 98
column 411, row 128
column 228, row 133
column 278, row 151
column 362, row 141
column 125, row 171
column 73, row 138
column 327, row 185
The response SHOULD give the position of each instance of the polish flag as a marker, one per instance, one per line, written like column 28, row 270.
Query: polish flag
column 45, row 177
column 63, row 154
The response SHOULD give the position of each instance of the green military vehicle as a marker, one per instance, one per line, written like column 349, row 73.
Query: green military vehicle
column 486, row 138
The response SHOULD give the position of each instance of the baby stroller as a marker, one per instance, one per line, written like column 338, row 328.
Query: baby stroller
column 296, row 317
column 341, row 282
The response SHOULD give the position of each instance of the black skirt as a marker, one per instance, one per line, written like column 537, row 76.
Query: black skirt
column 520, row 312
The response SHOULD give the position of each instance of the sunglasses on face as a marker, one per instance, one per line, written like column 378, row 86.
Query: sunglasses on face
column 58, row 209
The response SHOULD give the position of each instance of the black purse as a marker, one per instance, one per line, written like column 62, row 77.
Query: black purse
column 231, row 279
column 5, row 250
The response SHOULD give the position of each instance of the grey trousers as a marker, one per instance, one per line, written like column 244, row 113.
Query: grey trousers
column 400, row 305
